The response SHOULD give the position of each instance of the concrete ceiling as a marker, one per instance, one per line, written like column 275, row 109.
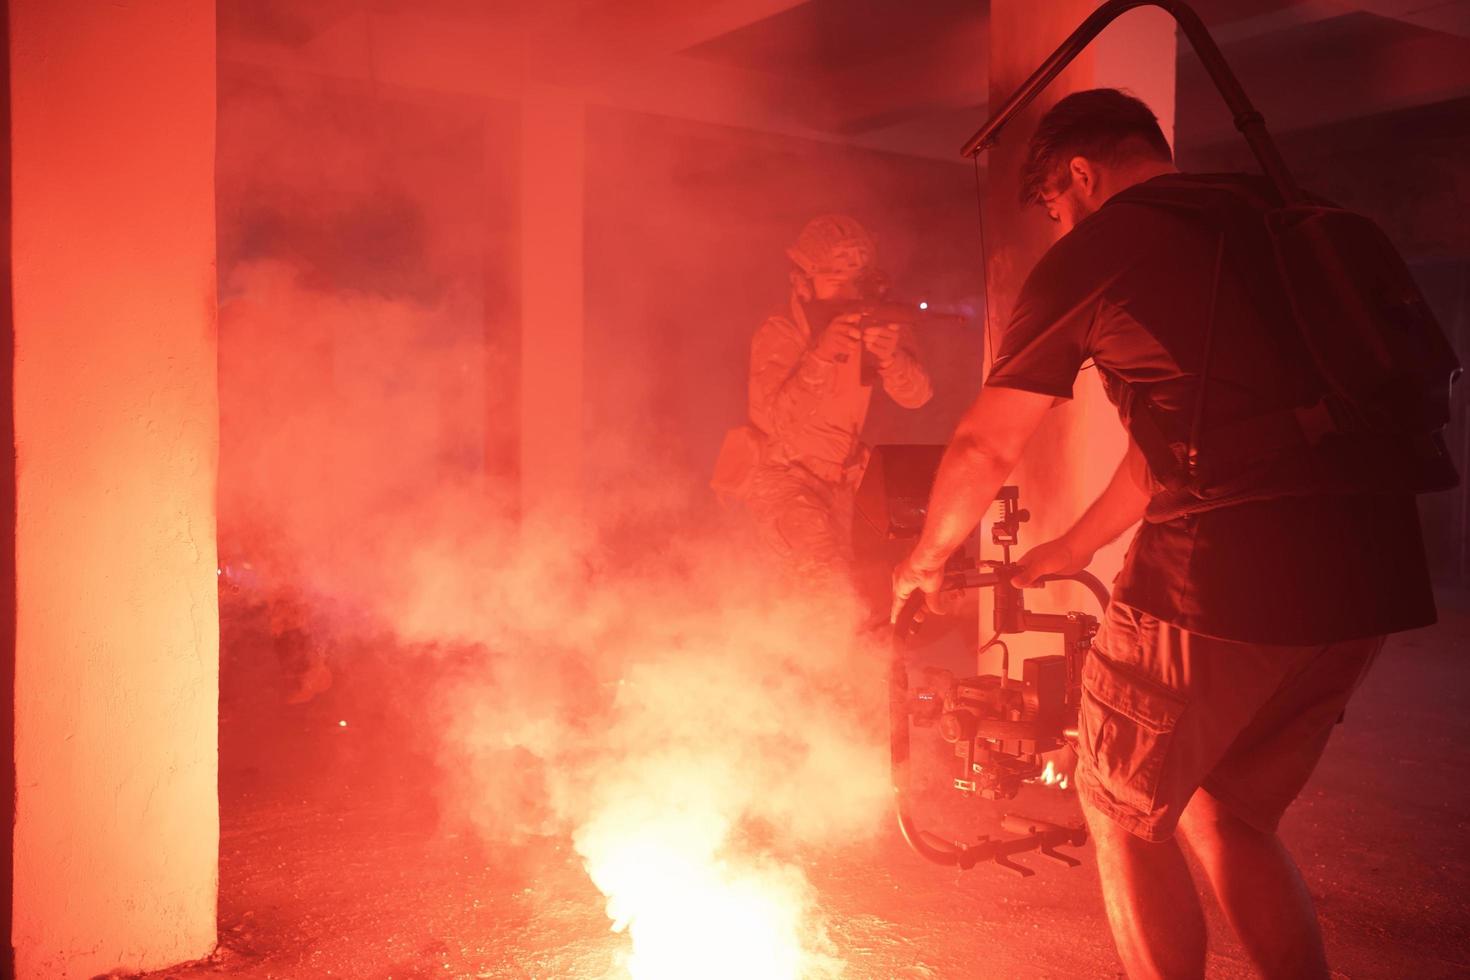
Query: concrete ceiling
column 1309, row 63
column 904, row 77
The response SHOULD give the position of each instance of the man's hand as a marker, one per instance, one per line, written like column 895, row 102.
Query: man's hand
column 912, row 574
column 881, row 340
column 986, row 445
column 842, row 338
column 1119, row 507
column 1056, row 557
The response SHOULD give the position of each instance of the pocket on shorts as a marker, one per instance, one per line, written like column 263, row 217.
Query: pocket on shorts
column 1127, row 722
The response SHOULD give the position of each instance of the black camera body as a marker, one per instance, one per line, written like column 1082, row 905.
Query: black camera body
column 1001, row 730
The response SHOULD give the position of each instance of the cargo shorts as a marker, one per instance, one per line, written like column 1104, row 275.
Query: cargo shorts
column 1165, row 712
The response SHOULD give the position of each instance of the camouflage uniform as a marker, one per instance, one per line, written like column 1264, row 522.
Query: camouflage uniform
column 811, row 413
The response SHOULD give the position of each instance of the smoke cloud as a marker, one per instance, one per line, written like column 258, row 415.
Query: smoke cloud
column 630, row 675
column 632, row 679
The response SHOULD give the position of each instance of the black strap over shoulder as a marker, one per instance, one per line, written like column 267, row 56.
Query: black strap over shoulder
column 1375, row 397
column 1232, row 207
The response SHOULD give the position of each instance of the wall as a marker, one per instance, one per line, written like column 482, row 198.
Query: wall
column 116, row 831
column 1403, row 169
column 369, row 314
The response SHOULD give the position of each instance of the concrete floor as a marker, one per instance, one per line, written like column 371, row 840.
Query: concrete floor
column 334, row 862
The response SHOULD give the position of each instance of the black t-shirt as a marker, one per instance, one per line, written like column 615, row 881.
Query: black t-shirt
column 1130, row 288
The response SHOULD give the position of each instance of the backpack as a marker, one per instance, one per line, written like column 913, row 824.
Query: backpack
column 1379, row 367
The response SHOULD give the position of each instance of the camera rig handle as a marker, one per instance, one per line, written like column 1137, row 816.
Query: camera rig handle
column 1010, row 615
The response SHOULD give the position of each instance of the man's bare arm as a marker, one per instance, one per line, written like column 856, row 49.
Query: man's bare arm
column 1119, row 507
column 986, row 445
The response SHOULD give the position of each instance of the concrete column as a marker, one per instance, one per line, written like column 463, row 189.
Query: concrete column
column 1078, row 447
column 552, row 318
column 116, row 834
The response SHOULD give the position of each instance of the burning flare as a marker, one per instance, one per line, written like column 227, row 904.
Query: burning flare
column 694, row 908
column 711, row 753
column 1051, row 777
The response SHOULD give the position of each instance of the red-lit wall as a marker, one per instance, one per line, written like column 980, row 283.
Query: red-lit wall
column 116, row 831
column 369, row 319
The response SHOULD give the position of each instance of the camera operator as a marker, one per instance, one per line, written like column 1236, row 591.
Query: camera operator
column 809, row 398
column 1240, row 624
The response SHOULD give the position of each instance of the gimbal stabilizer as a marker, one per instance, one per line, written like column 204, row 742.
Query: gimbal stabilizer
column 1001, row 728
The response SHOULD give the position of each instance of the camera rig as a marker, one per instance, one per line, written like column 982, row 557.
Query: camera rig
column 1002, row 728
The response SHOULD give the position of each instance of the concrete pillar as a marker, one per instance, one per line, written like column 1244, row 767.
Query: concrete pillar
column 553, row 137
column 1080, row 443
column 116, row 833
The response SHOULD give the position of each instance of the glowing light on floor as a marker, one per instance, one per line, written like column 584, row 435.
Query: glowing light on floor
column 692, row 913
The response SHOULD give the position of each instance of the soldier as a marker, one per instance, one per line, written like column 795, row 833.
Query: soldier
column 809, row 397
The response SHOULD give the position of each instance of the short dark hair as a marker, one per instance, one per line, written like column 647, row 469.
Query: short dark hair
column 1100, row 124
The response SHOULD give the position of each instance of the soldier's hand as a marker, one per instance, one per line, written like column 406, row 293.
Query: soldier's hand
column 881, row 340
column 842, row 338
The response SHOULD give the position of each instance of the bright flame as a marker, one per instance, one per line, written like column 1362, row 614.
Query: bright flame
column 693, row 906
column 684, row 825
column 698, row 915
column 1051, row 777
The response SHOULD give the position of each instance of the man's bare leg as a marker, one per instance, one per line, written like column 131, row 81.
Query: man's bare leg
column 1260, row 889
column 1152, row 905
